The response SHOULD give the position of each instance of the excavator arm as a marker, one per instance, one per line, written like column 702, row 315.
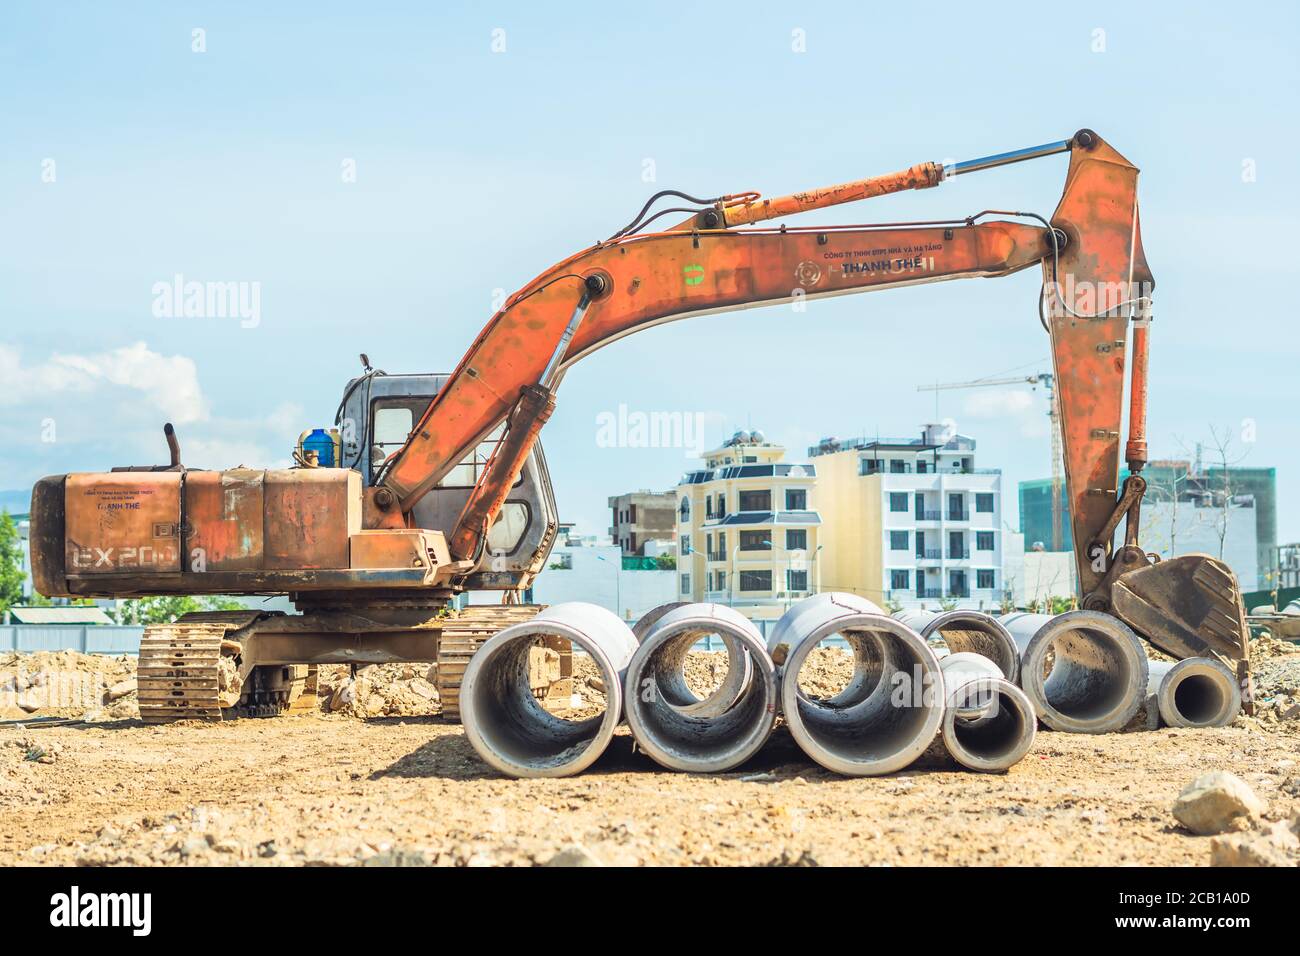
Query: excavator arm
column 1096, row 306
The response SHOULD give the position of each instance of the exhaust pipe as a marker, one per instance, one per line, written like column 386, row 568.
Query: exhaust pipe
column 891, row 709
column 972, row 632
column 671, row 674
column 1098, row 670
column 504, row 722
column 989, row 723
column 671, row 724
column 1196, row 692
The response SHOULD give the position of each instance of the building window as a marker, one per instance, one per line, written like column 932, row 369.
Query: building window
column 900, row 580
column 684, row 544
column 722, row 580
column 984, row 501
column 755, row 541
column 898, row 540
column 796, row 580
column 755, row 580
column 983, row 540
column 686, row 584
column 796, row 499
column 685, row 509
column 722, row 544
column 709, row 578
column 897, row 466
column 796, row 539
column 984, row 579
column 755, row 500
column 957, row 545
column 922, row 466
column 722, row 505
column 708, row 547
column 898, row 501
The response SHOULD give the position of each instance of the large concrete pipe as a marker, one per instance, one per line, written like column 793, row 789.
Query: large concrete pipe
column 892, row 706
column 671, row 669
column 1098, row 670
column 1196, row 692
column 971, row 632
column 506, row 724
column 989, row 722
column 670, row 723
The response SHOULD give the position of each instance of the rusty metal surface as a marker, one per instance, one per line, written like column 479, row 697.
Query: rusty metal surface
column 123, row 523
column 224, row 519
column 310, row 515
column 407, row 548
column 1189, row 606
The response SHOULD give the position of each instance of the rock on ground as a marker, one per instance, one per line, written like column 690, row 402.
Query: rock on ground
column 1217, row 802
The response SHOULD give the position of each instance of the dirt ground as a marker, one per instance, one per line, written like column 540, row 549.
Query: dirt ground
column 335, row 788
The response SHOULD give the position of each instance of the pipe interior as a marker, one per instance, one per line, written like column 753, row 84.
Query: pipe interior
column 1199, row 698
column 880, row 710
column 679, row 727
column 1000, row 728
column 511, row 720
column 688, row 693
column 967, row 636
column 1090, row 675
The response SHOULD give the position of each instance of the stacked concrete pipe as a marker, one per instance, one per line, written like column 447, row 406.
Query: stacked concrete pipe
column 1098, row 673
column 508, row 727
column 971, row 632
column 672, row 725
column 891, row 709
column 989, row 723
column 1195, row 692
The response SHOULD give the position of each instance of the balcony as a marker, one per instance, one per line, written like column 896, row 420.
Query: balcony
column 927, row 516
column 959, row 592
column 958, row 554
column 929, row 592
column 928, row 554
column 958, row 515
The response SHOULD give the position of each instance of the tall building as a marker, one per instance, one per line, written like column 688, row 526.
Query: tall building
column 642, row 516
column 1171, row 484
column 748, row 529
column 911, row 521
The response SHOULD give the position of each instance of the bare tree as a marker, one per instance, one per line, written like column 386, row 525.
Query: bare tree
column 1225, row 457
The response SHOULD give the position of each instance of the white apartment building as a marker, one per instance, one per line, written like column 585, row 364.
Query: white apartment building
column 911, row 521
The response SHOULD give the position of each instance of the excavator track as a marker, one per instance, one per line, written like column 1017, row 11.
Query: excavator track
column 189, row 670
column 464, row 632
column 179, row 675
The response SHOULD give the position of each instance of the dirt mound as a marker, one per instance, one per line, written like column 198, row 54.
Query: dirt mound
column 66, row 684
column 380, row 690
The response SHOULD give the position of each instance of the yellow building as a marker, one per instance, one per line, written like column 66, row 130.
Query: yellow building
column 748, row 529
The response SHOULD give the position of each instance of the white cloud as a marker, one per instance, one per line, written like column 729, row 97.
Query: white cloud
column 169, row 383
column 1027, row 410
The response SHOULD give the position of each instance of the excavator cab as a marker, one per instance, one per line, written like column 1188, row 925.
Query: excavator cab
column 377, row 416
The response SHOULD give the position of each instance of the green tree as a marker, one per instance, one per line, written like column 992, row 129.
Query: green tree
column 11, row 563
column 666, row 562
column 164, row 609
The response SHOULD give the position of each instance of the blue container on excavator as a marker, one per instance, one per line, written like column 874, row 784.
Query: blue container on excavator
column 321, row 442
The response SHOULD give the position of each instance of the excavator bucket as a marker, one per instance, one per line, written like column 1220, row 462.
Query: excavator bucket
column 1189, row 606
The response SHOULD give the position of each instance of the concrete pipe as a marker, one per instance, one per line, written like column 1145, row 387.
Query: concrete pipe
column 670, row 723
column 504, row 722
column 1098, row 670
column 1196, row 692
column 671, row 673
column 892, row 706
column 989, row 723
column 971, row 632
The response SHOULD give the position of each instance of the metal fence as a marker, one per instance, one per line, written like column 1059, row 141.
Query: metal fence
column 86, row 638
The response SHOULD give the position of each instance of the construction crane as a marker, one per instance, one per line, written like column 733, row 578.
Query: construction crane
column 1048, row 381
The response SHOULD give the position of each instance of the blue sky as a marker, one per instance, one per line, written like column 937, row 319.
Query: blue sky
column 475, row 170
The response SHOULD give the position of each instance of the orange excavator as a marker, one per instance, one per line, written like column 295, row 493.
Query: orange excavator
column 439, row 485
